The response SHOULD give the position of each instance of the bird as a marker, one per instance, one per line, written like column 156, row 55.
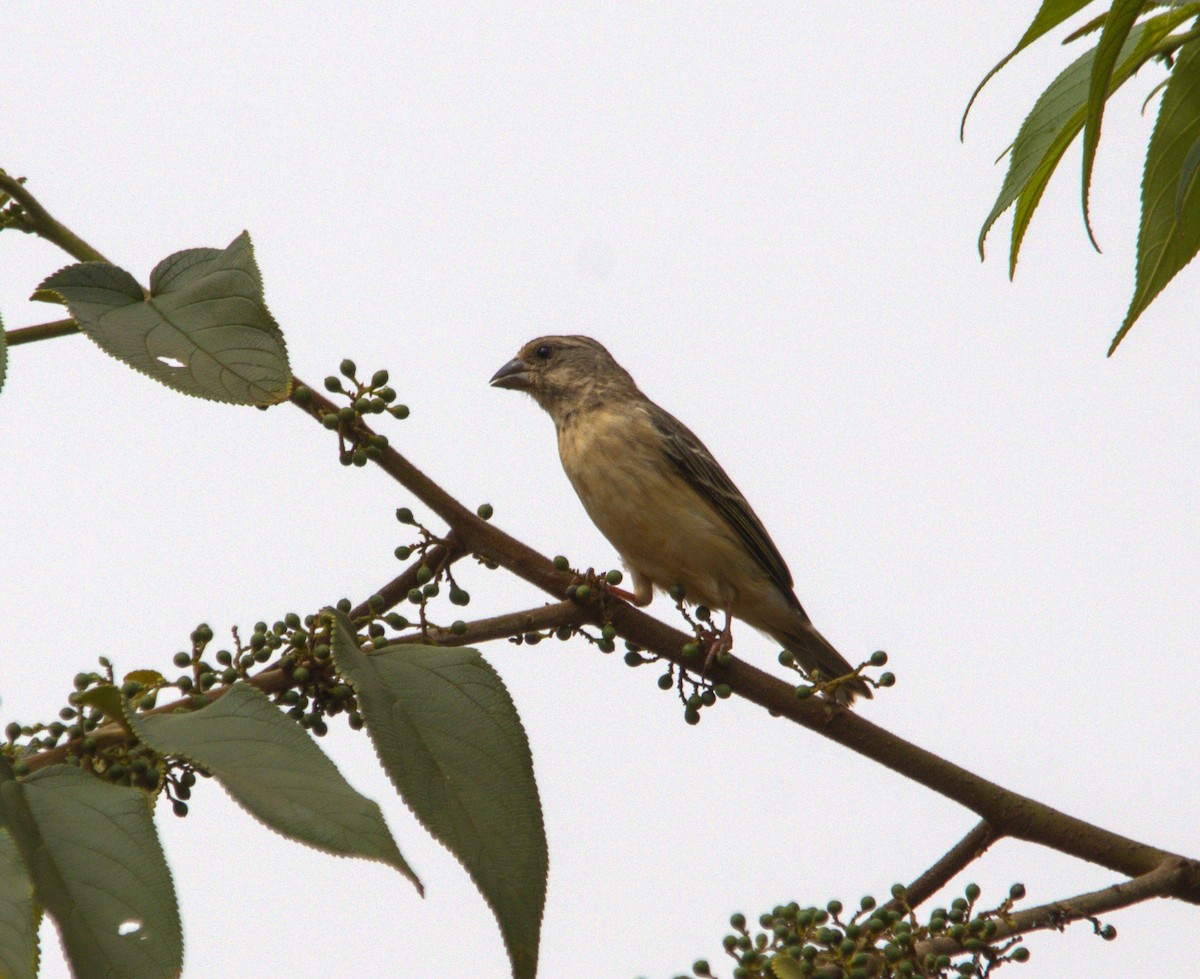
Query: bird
column 663, row 501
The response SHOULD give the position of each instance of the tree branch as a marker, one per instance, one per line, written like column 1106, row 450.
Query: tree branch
column 501, row 626
column 970, row 848
column 1009, row 813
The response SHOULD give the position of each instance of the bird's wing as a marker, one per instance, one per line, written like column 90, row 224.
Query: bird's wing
column 704, row 474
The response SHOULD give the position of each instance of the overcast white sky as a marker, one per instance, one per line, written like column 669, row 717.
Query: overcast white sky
column 765, row 213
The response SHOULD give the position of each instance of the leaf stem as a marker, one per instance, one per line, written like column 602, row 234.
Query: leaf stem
column 43, row 331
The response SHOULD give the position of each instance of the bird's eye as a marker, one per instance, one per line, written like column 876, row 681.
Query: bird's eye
column 543, row 352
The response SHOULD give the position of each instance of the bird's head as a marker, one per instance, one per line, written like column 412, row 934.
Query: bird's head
column 564, row 374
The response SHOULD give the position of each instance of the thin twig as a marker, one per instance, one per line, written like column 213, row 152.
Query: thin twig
column 502, row 626
column 39, row 221
column 1165, row 880
column 971, row 847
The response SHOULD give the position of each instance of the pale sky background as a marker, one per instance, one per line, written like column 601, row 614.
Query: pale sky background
column 765, row 213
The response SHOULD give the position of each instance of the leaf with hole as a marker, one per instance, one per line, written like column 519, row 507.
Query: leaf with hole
column 1169, row 235
column 203, row 329
column 450, row 739
column 92, row 853
column 274, row 769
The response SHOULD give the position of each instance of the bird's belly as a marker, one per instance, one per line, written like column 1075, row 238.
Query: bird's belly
column 660, row 526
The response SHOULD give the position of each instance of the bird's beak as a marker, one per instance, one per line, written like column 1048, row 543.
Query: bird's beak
column 515, row 375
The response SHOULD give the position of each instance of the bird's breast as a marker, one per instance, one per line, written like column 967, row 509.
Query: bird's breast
column 661, row 527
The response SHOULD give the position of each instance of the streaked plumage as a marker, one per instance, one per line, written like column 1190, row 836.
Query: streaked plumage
column 662, row 500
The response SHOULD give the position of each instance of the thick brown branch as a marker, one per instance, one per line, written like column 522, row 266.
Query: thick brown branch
column 1009, row 813
column 43, row 331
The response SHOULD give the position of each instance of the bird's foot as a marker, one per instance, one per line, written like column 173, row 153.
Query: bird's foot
column 719, row 643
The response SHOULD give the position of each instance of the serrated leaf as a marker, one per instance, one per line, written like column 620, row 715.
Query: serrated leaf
column 274, row 769
column 1050, row 14
column 1169, row 235
column 204, row 329
column 450, row 739
column 1187, row 174
column 97, row 867
column 1117, row 26
column 1052, row 125
column 19, row 915
column 785, row 967
column 108, row 700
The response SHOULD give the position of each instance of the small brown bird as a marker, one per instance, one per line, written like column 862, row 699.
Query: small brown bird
column 661, row 499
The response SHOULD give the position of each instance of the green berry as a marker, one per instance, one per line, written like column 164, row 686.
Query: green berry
column 723, row 691
column 458, row 627
column 424, row 574
column 485, row 511
column 972, row 892
column 561, row 563
column 1016, row 892
column 347, row 367
column 583, row 593
column 666, row 681
column 379, row 379
column 691, row 716
column 333, row 385
column 690, row 649
column 330, row 420
column 614, row 577
column 402, row 553
column 182, row 659
column 887, row 680
column 879, row 658
column 1108, row 933
column 633, row 659
column 676, row 592
column 459, row 597
column 416, row 596
column 399, row 411
column 786, row 658
column 386, row 394
column 430, row 590
column 1020, row 954
column 703, row 613
column 301, row 674
column 405, row 515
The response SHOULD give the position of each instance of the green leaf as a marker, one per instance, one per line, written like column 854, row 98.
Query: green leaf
column 147, row 678
column 785, row 967
column 19, row 915
column 274, row 769
column 97, row 867
column 108, row 700
column 204, row 329
column 1187, row 174
column 450, row 739
column 1049, row 16
column 1052, row 125
column 1117, row 25
column 1170, row 229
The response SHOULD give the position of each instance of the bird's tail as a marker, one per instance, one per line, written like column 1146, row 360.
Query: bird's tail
column 815, row 653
